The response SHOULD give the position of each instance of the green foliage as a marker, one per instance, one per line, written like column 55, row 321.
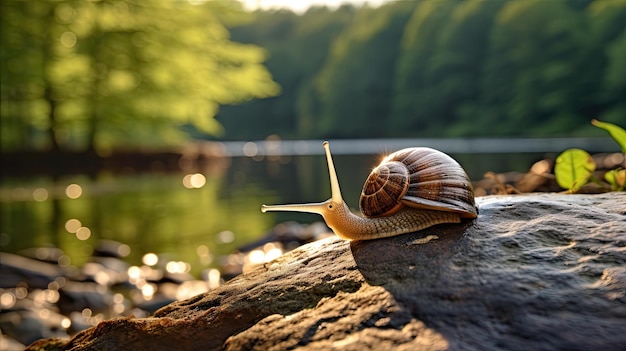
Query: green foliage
column 617, row 133
column 573, row 169
column 528, row 82
column 616, row 178
column 417, row 97
column 439, row 69
column 299, row 46
column 94, row 75
column 450, row 69
column 360, row 70
column 113, row 71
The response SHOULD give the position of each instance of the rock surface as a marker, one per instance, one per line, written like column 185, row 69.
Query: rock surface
column 532, row 272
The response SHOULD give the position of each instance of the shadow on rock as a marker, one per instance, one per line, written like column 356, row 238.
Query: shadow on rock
column 536, row 278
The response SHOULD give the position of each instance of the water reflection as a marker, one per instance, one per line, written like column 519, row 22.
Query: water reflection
column 189, row 216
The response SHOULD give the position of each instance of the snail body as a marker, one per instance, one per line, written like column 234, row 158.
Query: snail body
column 410, row 190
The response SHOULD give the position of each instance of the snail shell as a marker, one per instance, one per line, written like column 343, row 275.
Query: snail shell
column 421, row 178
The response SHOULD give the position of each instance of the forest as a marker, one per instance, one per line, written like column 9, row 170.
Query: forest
column 109, row 74
column 444, row 68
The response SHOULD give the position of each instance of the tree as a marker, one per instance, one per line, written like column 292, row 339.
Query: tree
column 615, row 81
column 117, row 73
column 532, row 79
column 608, row 46
column 355, row 86
column 441, row 64
column 22, row 106
column 413, row 89
column 298, row 47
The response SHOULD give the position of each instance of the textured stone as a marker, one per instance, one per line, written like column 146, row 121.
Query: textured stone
column 532, row 272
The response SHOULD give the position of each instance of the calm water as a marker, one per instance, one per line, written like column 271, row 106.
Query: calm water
column 194, row 218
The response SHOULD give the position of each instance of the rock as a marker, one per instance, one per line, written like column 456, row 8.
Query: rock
column 27, row 326
column 111, row 248
column 290, row 235
column 16, row 269
column 76, row 296
column 45, row 254
column 7, row 344
column 532, row 272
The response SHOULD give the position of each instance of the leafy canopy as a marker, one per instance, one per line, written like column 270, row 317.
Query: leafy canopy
column 113, row 73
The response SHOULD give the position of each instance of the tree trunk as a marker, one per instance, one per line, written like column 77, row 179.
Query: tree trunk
column 49, row 95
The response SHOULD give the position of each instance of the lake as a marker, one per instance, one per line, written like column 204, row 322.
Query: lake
column 201, row 216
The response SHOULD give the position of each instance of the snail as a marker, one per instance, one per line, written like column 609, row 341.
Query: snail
column 410, row 190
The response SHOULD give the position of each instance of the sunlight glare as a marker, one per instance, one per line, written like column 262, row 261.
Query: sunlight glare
column 83, row 233
column 73, row 191
column 273, row 254
column 198, row 180
column 303, row 5
column 177, row 267
column 150, row 259
column 148, row 291
column 195, row 180
column 214, row 277
column 72, row 225
column 256, row 257
column 134, row 273
column 191, row 288
column 7, row 300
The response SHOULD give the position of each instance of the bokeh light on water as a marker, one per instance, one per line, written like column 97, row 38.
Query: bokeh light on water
column 150, row 259
column 194, row 181
column 72, row 225
column 83, row 233
column 74, row 191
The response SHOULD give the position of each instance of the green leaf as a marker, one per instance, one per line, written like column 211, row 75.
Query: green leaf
column 617, row 133
column 573, row 169
column 617, row 178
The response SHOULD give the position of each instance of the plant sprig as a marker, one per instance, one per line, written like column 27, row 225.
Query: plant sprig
column 574, row 167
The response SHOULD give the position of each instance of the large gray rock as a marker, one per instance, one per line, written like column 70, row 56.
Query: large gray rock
column 532, row 272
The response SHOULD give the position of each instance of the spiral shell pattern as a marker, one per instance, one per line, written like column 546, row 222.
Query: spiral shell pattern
column 430, row 180
column 383, row 189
